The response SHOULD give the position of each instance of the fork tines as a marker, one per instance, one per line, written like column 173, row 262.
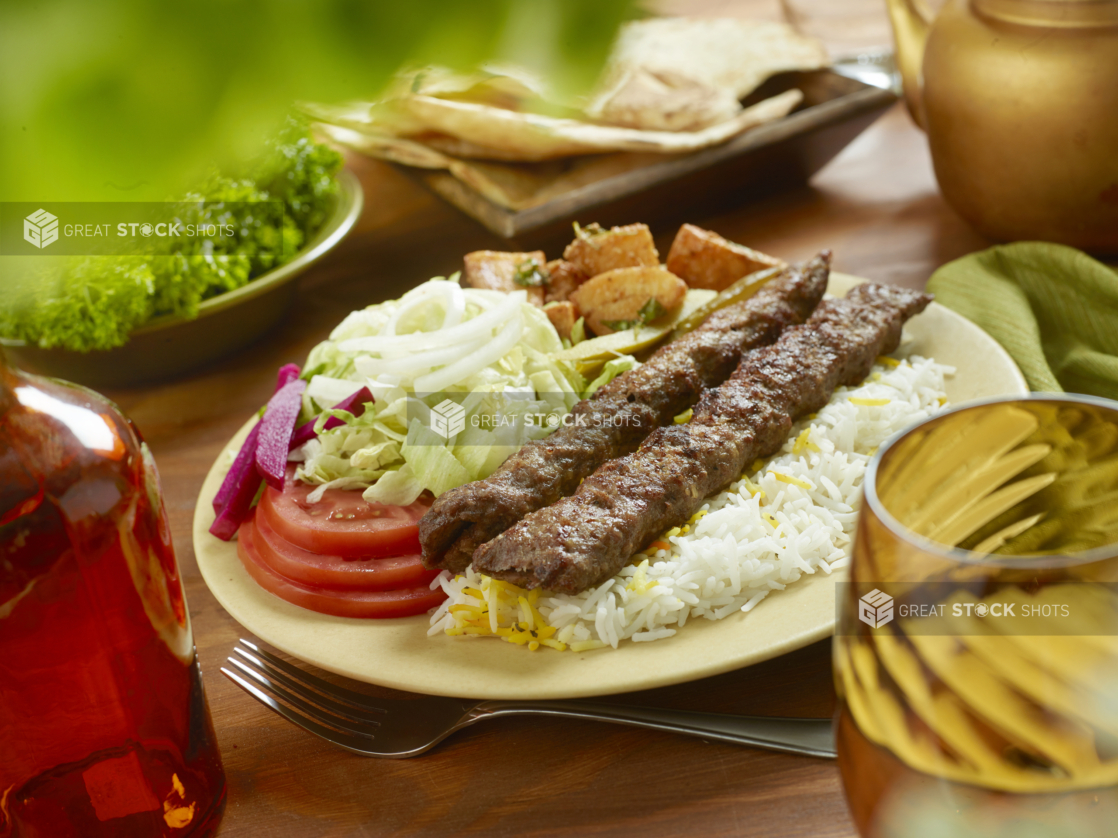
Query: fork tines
column 332, row 712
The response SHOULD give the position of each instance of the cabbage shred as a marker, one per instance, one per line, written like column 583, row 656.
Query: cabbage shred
column 490, row 353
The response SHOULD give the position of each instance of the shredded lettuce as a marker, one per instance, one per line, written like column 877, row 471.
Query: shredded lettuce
column 610, row 371
column 94, row 302
column 511, row 390
column 578, row 331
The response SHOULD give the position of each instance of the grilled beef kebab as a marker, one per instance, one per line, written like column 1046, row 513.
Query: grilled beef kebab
column 586, row 538
column 615, row 420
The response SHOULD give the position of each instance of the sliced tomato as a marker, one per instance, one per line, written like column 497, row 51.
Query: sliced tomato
column 342, row 523
column 299, row 565
column 401, row 603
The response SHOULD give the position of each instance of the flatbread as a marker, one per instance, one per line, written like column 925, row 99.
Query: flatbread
column 519, row 185
column 671, row 86
column 534, row 137
column 665, row 100
column 515, row 186
column 387, row 147
column 684, row 74
column 385, row 118
column 456, row 147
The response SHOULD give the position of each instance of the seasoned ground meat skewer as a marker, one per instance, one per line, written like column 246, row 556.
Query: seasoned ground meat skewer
column 585, row 539
column 615, row 420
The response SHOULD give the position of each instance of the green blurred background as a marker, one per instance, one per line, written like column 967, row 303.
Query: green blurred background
column 131, row 99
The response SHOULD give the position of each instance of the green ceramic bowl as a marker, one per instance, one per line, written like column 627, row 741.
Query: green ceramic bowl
column 168, row 346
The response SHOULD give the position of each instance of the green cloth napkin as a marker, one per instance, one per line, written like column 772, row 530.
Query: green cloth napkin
column 1053, row 308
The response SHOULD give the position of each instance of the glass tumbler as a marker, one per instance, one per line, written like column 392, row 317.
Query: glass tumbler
column 976, row 658
column 104, row 728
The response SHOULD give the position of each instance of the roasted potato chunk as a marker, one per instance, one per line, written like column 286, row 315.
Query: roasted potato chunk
column 497, row 270
column 617, row 299
column 562, row 279
column 563, row 316
column 706, row 260
column 595, row 251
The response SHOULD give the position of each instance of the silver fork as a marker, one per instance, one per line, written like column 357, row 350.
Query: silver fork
column 384, row 727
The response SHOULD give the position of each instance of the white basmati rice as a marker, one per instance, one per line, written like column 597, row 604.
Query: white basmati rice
column 789, row 516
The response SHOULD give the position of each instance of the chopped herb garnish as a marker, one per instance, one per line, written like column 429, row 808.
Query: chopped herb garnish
column 588, row 232
column 652, row 310
column 530, row 274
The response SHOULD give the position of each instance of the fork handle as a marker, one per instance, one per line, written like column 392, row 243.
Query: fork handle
column 811, row 737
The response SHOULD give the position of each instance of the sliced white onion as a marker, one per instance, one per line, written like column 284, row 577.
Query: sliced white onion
column 421, row 296
column 328, row 391
column 455, row 305
column 488, row 354
column 481, row 300
column 413, row 363
column 477, row 328
column 486, row 298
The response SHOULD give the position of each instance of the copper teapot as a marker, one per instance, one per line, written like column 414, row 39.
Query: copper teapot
column 1019, row 99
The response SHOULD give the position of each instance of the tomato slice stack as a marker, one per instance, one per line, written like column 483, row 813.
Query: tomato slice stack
column 341, row 556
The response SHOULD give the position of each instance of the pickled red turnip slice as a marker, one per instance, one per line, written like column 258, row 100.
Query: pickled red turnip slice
column 234, row 499
column 354, row 404
column 276, row 430
column 285, row 375
column 243, row 480
column 265, row 449
column 247, row 455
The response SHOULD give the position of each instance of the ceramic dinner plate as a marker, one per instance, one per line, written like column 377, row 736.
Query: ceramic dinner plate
column 398, row 653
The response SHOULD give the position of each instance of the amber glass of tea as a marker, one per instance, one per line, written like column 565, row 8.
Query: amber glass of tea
column 104, row 729
column 976, row 658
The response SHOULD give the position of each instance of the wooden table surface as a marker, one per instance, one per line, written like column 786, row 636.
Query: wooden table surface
column 877, row 207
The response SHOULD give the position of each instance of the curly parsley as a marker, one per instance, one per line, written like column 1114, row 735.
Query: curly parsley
column 97, row 301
